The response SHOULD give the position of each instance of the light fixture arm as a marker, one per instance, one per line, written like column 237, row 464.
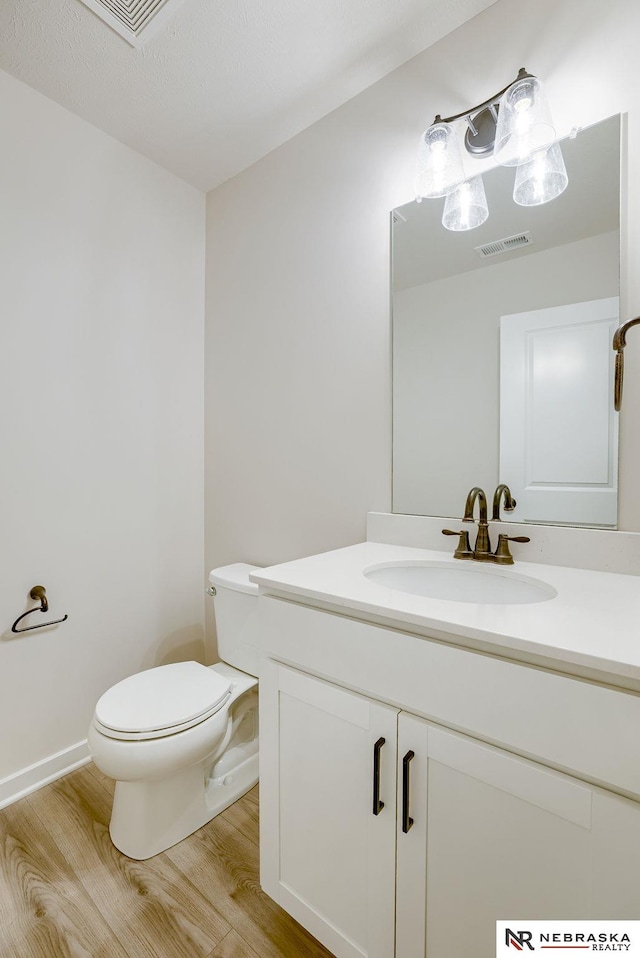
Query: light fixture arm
column 489, row 103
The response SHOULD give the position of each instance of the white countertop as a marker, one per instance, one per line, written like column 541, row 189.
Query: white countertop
column 592, row 623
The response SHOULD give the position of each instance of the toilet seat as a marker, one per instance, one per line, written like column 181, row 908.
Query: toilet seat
column 161, row 701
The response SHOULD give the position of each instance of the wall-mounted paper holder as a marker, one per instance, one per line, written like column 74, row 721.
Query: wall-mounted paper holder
column 37, row 592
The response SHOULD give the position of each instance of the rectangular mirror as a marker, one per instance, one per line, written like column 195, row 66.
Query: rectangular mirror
column 502, row 358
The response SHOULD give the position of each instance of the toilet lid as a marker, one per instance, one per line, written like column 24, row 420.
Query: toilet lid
column 163, row 700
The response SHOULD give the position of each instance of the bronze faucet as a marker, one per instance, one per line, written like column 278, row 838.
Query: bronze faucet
column 502, row 555
column 463, row 549
column 482, row 548
column 509, row 502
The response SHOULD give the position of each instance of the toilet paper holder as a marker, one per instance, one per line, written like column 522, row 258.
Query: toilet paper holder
column 37, row 592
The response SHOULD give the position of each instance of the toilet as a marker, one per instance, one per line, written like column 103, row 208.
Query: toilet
column 181, row 740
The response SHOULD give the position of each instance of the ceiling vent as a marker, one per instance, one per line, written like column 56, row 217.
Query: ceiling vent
column 504, row 245
column 133, row 19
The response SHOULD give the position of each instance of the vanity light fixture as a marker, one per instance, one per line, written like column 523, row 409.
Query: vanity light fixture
column 466, row 206
column 515, row 126
column 541, row 178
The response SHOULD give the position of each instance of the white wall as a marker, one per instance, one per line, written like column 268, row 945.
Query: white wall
column 297, row 358
column 298, row 394
column 446, row 349
column 101, row 393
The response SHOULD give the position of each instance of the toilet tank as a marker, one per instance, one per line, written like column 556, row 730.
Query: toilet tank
column 236, row 609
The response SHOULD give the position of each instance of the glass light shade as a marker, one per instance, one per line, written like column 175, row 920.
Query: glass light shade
column 541, row 179
column 439, row 167
column 466, row 207
column 524, row 123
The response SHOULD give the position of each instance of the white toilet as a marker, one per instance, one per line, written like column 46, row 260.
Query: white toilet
column 181, row 740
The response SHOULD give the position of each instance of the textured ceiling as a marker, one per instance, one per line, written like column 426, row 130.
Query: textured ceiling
column 222, row 82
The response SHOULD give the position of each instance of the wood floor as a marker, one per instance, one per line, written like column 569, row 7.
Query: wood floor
column 66, row 892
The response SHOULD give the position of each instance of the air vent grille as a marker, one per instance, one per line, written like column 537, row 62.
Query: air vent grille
column 132, row 18
column 504, row 245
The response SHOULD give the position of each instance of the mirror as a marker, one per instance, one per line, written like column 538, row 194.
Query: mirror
column 502, row 359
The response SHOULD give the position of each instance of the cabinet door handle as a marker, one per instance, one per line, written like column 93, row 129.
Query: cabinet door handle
column 377, row 804
column 407, row 821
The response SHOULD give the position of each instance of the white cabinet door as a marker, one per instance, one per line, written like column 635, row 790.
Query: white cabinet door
column 616, row 853
column 486, row 836
column 328, row 785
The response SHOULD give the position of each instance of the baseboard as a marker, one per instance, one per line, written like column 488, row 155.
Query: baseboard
column 29, row 779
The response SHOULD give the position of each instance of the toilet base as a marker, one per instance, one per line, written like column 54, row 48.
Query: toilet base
column 149, row 817
column 225, row 790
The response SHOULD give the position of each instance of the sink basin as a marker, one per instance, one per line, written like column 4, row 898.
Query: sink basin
column 465, row 582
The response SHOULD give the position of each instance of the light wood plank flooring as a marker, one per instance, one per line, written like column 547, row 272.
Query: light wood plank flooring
column 66, row 892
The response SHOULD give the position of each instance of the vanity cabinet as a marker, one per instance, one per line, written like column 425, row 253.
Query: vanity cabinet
column 469, row 831
column 327, row 856
column 492, row 837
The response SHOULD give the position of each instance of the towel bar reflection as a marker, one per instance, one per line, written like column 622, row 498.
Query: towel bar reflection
column 37, row 592
column 619, row 342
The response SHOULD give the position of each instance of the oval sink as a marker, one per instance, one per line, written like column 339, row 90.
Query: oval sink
column 460, row 583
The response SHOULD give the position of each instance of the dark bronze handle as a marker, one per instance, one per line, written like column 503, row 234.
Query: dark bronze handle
column 502, row 554
column 463, row 550
column 407, row 821
column 377, row 804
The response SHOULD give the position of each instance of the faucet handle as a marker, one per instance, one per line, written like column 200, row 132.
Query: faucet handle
column 502, row 554
column 463, row 550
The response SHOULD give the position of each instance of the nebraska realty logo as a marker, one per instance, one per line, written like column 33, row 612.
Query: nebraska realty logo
column 559, row 937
